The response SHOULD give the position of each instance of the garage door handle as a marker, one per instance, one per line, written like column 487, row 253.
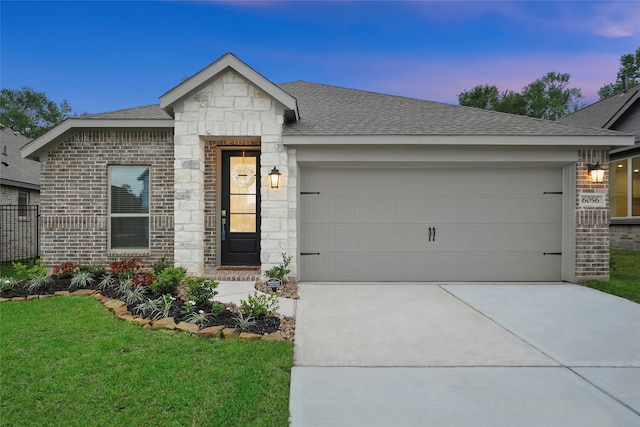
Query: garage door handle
column 429, row 233
column 434, row 234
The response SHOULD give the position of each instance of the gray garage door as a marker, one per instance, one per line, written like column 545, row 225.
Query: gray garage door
column 430, row 224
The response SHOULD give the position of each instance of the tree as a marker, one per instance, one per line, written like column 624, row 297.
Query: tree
column 548, row 97
column 30, row 112
column 628, row 75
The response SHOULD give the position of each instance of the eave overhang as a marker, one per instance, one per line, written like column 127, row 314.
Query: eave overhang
column 614, row 140
column 45, row 143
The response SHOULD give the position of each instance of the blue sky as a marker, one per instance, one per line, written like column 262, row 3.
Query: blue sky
column 103, row 56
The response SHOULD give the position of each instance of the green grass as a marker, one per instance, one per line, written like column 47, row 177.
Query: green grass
column 66, row 361
column 625, row 276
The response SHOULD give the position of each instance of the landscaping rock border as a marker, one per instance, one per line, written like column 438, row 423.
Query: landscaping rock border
column 120, row 310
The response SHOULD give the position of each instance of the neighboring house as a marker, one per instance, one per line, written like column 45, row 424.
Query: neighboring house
column 19, row 197
column 371, row 187
column 620, row 112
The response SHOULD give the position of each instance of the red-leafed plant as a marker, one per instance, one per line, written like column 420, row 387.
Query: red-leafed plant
column 125, row 269
column 143, row 279
column 66, row 269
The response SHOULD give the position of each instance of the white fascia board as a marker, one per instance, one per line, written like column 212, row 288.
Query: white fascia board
column 228, row 61
column 618, row 140
column 46, row 142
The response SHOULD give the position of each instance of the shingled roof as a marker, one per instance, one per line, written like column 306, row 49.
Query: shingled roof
column 145, row 112
column 604, row 113
column 331, row 110
column 22, row 173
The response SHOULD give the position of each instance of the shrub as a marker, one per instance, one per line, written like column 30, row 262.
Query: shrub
column 96, row 270
column 259, row 304
column 37, row 269
column 143, row 279
column 280, row 271
column 168, row 280
column 125, row 269
column 66, row 269
column 201, row 290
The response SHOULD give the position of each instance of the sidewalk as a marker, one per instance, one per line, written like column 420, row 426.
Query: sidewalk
column 235, row 291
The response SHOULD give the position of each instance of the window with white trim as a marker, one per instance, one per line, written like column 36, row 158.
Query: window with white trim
column 129, row 207
column 624, row 187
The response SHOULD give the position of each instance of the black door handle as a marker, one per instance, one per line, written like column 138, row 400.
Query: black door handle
column 429, row 233
column 434, row 234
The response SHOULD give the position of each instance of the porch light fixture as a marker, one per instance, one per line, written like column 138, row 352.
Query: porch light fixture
column 274, row 178
column 596, row 172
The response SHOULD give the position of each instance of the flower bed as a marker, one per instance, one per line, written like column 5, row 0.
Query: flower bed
column 154, row 294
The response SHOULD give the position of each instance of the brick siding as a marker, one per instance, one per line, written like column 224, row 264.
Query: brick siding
column 592, row 223
column 75, row 194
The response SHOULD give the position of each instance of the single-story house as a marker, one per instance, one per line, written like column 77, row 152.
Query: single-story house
column 370, row 187
column 19, row 198
column 620, row 112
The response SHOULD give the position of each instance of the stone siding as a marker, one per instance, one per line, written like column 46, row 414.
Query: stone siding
column 592, row 223
column 625, row 237
column 75, row 195
column 229, row 109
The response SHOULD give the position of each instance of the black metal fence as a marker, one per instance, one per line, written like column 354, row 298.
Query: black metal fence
column 19, row 232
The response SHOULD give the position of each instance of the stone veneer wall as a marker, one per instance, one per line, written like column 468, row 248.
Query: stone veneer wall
column 75, row 194
column 592, row 224
column 228, row 109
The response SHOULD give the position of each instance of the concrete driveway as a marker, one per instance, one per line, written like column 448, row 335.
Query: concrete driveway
column 420, row 354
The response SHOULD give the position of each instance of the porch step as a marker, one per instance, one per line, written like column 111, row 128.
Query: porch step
column 245, row 274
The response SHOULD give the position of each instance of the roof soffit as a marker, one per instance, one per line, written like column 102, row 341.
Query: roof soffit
column 217, row 69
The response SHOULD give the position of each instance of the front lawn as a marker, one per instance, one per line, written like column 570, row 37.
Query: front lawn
column 625, row 276
column 66, row 361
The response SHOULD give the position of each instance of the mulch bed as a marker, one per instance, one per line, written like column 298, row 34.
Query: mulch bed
column 228, row 317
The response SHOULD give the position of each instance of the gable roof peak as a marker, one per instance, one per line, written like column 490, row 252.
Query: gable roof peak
column 213, row 71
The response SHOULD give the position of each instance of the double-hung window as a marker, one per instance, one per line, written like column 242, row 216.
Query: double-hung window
column 624, row 188
column 129, row 207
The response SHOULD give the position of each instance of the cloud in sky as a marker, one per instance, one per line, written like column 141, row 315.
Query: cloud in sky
column 110, row 55
column 618, row 20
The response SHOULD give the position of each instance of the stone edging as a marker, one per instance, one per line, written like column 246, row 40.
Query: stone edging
column 119, row 309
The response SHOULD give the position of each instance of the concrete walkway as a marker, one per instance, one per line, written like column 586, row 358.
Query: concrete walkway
column 464, row 355
column 234, row 291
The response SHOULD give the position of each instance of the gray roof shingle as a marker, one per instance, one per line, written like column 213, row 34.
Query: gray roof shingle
column 331, row 110
column 20, row 172
column 151, row 112
column 600, row 113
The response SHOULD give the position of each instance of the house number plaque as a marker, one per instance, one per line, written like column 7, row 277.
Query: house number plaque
column 592, row 200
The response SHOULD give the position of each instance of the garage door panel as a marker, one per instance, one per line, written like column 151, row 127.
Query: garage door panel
column 374, row 224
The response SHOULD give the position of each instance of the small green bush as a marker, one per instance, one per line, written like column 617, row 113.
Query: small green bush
column 168, row 280
column 259, row 304
column 280, row 271
column 37, row 269
column 201, row 290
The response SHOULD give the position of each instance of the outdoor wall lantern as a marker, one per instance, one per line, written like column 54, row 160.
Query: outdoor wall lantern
column 596, row 172
column 274, row 178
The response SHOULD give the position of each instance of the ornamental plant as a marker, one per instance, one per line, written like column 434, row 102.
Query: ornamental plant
column 201, row 290
column 259, row 304
column 125, row 269
column 281, row 270
column 66, row 269
column 167, row 280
